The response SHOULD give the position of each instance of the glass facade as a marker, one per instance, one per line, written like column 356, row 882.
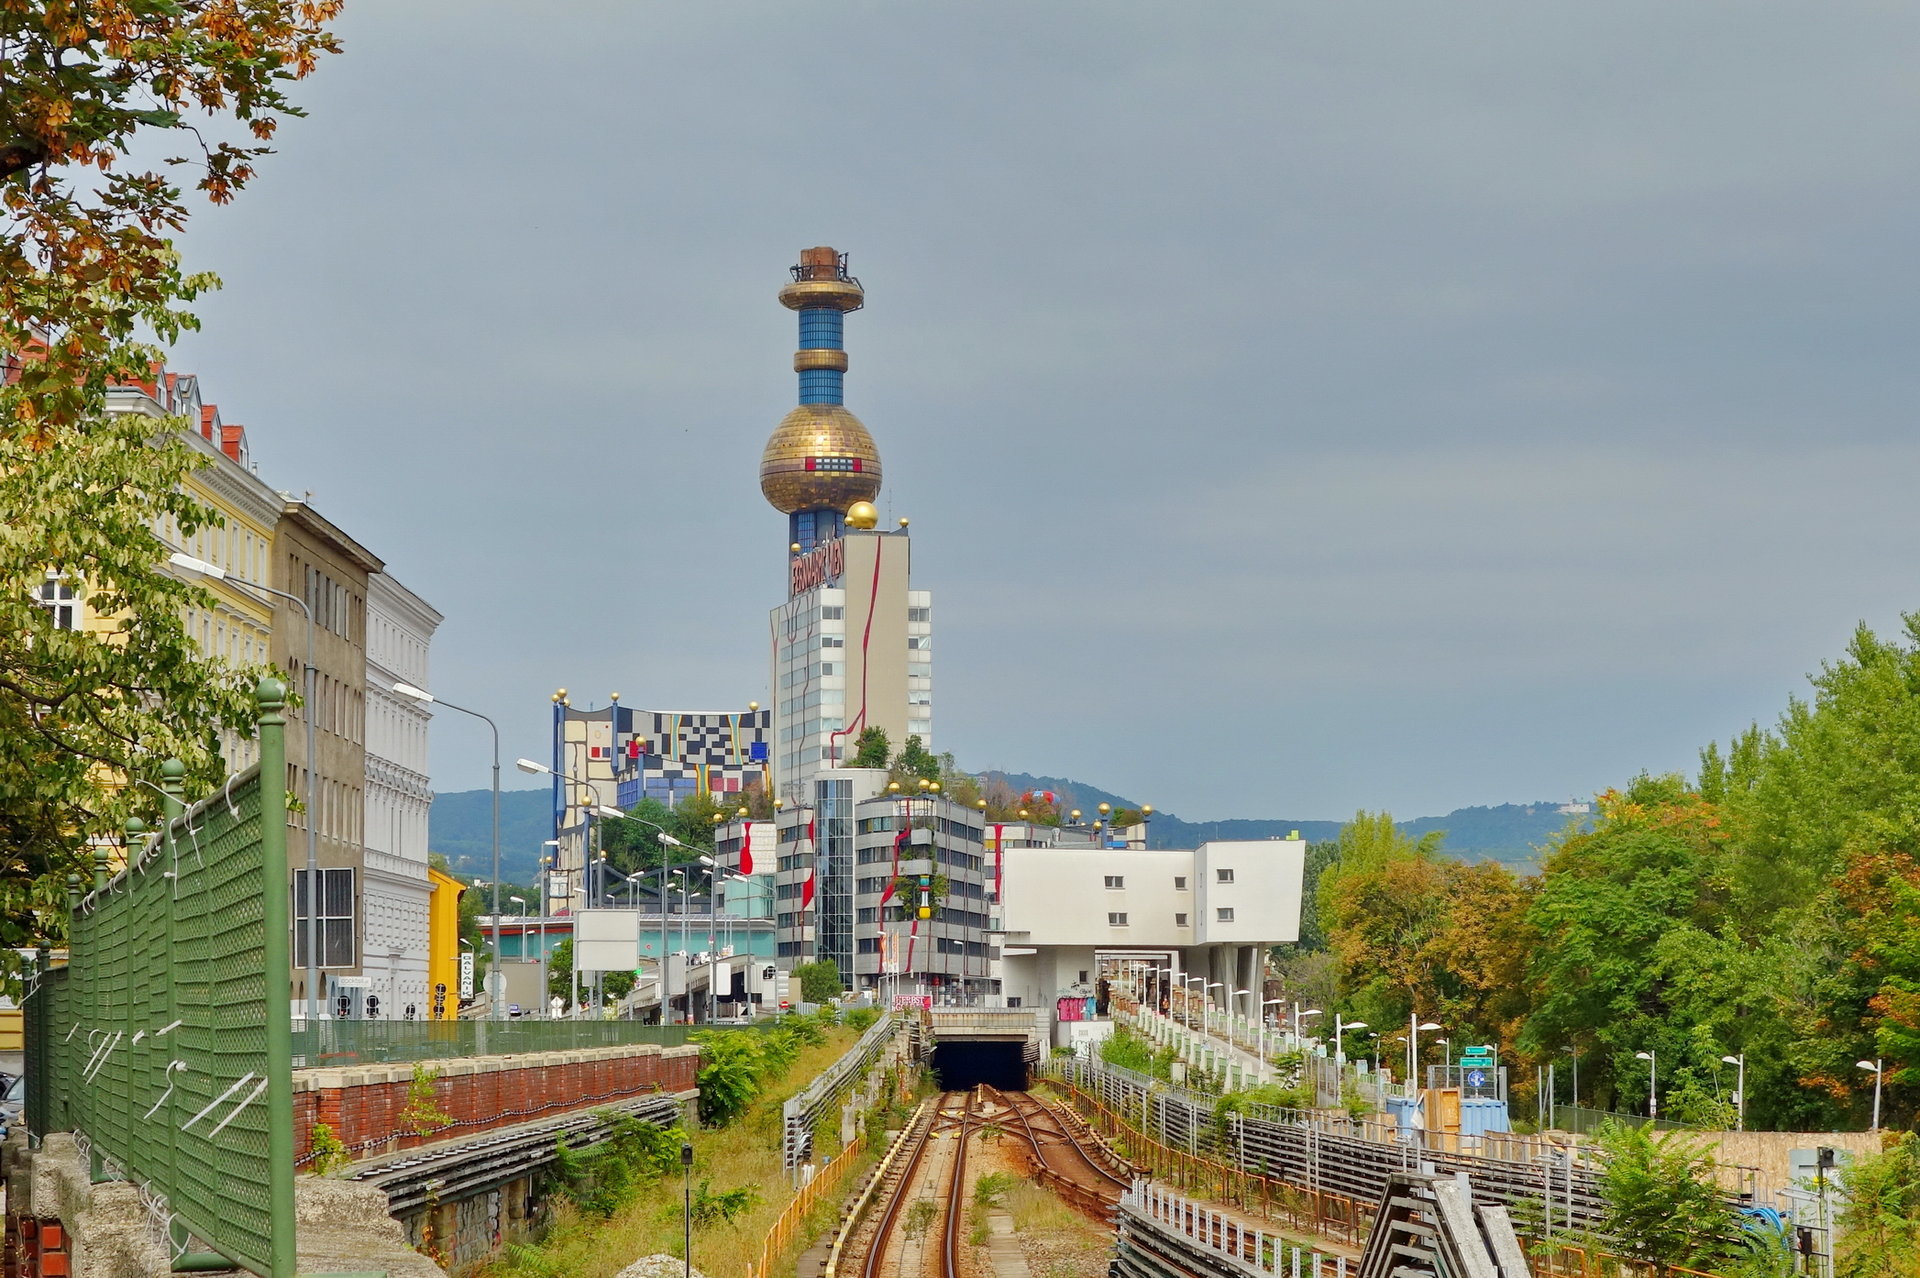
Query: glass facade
column 833, row 936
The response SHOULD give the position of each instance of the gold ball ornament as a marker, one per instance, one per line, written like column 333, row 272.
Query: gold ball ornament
column 862, row 515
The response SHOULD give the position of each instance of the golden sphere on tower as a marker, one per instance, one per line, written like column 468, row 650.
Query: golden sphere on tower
column 819, row 458
column 862, row 515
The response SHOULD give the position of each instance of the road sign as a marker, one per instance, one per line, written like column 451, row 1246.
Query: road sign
column 1476, row 1078
column 466, row 976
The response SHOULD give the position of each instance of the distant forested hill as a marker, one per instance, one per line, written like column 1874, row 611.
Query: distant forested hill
column 460, row 827
column 1511, row 832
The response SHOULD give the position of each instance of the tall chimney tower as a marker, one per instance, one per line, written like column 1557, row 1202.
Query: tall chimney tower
column 820, row 462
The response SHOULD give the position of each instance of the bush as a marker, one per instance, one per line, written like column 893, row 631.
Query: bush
column 1880, row 1225
column 1662, row 1204
column 328, row 1152
column 819, row 982
column 422, row 1114
column 860, row 1019
column 611, row 1175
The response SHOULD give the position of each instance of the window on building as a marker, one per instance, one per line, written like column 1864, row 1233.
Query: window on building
column 832, row 612
column 1179, row 882
column 1114, row 919
column 56, row 595
column 1116, row 880
column 1083, row 976
column 1179, row 920
column 922, row 642
column 1224, row 914
column 1223, row 876
column 919, row 614
column 335, row 919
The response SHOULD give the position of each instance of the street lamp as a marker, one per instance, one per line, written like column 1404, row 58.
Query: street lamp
column 1739, row 1089
column 1206, row 1004
column 1299, row 1044
column 1574, row 1048
column 521, row 901
column 1878, row 1067
column 1264, row 1005
column 1414, row 1026
column 201, row 568
column 496, row 979
column 1340, row 1028
column 1653, row 1080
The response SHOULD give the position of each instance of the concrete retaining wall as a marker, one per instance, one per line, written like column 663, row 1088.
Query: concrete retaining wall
column 61, row 1223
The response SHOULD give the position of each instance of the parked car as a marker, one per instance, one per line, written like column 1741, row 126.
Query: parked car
column 13, row 1102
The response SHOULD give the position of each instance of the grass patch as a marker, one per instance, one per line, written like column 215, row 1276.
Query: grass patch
column 743, row 1155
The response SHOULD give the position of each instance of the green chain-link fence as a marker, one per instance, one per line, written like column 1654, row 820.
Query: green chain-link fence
column 165, row 1045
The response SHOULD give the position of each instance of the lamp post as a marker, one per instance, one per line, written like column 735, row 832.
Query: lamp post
column 546, row 858
column 214, row 572
column 1264, row 1005
column 659, row 836
column 1247, row 994
column 1878, row 1067
column 1574, row 1048
column 1650, row 1056
column 496, row 979
column 1206, row 1005
column 1446, row 1061
column 1299, row 1044
column 586, row 809
column 1414, row 1026
column 1340, row 1028
column 1739, row 1090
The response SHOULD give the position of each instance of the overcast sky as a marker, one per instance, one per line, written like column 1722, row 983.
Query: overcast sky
column 1299, row 407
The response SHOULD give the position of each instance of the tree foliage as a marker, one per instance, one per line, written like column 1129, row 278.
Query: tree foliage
column 1767, row 909
column 819, row 981
column 1879, row 1225
column 1662, row 1204
column 871, row 749
column 86, row 272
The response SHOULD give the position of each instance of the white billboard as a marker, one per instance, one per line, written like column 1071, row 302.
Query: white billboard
column 606, row 940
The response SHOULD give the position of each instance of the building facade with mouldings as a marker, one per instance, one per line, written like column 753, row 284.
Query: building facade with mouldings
column 324, row 567
column 397, row 890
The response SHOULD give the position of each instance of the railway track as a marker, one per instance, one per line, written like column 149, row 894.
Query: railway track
column 927, row 1165
column 1067, row 1158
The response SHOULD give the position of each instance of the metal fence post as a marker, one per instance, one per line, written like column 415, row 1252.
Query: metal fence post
column 276, row 922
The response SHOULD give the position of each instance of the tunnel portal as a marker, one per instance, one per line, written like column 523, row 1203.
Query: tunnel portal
column 959, row 1064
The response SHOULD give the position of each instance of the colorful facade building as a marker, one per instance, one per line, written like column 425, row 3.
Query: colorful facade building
column 853, row 643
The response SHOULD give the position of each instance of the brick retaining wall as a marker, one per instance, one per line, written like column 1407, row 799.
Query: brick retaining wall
column 363, row 1103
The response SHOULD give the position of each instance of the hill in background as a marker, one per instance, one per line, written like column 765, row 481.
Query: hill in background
column 1511, row 832
column 1515, row 833
column 460, row 828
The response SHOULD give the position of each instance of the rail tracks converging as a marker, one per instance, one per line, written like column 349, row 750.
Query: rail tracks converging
column 890, row 1234
column 1067, row 1158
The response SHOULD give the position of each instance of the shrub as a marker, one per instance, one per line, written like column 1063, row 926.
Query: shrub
column 422, row 1114
column 1661, row 1201
column 1880, row 1225
column 860, row 1019
column 329, row 1153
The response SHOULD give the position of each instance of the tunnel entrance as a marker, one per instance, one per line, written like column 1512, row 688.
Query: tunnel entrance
column 959, row 1064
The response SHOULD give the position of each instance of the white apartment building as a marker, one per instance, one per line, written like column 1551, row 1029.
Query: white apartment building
column 395, row 890
column 1073, row 914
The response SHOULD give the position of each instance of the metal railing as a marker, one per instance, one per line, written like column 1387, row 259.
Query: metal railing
column 829, row 1180
column 1151, row 1217
column 338, row 1044
column 1318, row 1152
column 801, row 1110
